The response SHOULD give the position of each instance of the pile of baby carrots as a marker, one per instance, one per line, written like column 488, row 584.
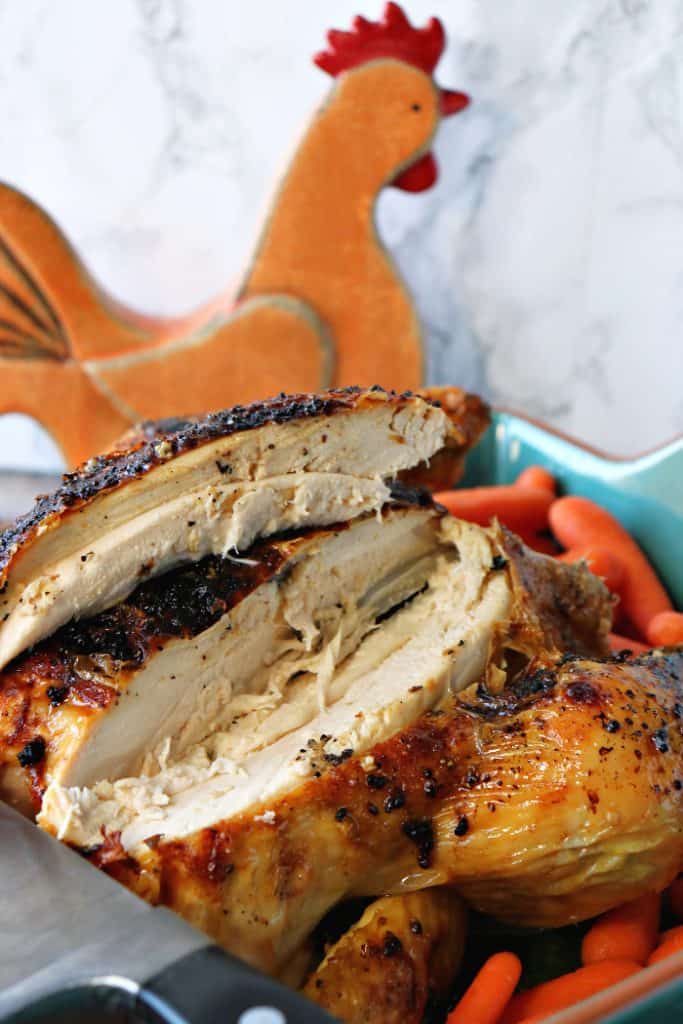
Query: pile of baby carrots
column 575, row 529
column 618, row 944
column 628, row 938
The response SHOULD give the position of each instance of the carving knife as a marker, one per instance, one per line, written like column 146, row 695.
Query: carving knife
column 75, row 946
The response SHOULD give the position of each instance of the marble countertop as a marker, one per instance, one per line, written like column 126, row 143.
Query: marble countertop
column 547, row 264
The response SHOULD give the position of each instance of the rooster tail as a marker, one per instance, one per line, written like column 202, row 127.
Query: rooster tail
column 51, row 309
column 32, row 253
column 43, row 287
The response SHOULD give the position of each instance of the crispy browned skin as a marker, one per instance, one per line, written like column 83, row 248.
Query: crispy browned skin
column 404, row 952
column 472, row 416
column 469, row 414
column 154, row 443
column 553, row 611
column 564, row 612
column 549, row 803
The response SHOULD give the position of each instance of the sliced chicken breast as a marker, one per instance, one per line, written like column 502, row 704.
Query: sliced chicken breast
column 299, row 703
column 217, row 644
column 211, row 486
column 485, row 605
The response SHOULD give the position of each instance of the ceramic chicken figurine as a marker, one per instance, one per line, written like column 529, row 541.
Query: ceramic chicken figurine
column 320, row 304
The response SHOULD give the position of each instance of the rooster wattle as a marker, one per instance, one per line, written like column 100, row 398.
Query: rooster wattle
column 321, row 302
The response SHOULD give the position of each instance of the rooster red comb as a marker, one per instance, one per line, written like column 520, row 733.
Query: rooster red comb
column 393, row 36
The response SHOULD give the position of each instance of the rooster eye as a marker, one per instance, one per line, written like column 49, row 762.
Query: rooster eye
column 416, row 106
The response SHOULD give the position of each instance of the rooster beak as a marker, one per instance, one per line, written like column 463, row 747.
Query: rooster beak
column 451, row 102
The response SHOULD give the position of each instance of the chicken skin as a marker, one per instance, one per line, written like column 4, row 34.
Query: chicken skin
column 550, row 802
column 402, row 953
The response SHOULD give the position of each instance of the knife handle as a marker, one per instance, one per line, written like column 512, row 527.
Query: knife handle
column 211, row 987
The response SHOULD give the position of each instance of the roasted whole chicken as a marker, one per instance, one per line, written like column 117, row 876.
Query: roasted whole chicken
column 252, row 672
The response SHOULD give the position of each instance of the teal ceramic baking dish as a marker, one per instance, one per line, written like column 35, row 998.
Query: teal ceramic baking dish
column 646, row 494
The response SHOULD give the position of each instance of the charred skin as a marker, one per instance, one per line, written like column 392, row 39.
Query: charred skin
column 153, row 444
column 549, row 803
column 402, row 954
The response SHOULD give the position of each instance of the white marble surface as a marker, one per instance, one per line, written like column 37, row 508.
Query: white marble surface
column 548, row 262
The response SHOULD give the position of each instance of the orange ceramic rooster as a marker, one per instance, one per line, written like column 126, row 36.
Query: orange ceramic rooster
column 320, row 304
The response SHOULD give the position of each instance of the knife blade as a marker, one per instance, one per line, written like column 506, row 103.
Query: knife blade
column 70, row 931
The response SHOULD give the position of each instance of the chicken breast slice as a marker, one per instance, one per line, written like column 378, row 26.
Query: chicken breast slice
column 210, row 486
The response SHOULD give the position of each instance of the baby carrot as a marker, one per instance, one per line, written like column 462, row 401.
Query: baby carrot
column 601, row 562
column 568, row 989
column 537, row 476
column 666, row 628
column 624, row 643
column 670, row 933
column 489, row 993
column 538, row 542
column 519, row 508
column 628, row 932
column 579, row 522
column 674, row 944
column 675, row 894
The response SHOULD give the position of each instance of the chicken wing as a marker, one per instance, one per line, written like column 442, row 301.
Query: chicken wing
column 403, row 953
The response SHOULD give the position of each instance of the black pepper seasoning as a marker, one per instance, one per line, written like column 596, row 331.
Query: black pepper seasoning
column 32, row 752
column 395, row 800
column 462, row 826
column 421, row 832
column 661, row 740
column 57, row 695
column 392, row 945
